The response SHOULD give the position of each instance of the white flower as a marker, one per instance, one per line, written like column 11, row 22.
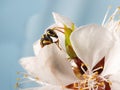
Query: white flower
column 93, row 64
column 93, row 44
column 50, row 65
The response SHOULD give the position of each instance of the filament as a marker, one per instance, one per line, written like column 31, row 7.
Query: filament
column 90, row 81
column 97, row 69
column 83, row 68
column 105, row 17
column 114, row 14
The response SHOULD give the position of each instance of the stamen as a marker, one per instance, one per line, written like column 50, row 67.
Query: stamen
column 116, row 11
column 25, row 81
column 22, row 73
column 97, row 69
column 82, row 67
column 106, row 80
column 17, row 85
column 105, row 17
column 28, row 77
column 112, row 24
column 90, row 81
column 114, row 14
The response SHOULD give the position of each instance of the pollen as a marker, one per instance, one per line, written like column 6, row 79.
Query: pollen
column 25, row 75
column 17, row 79
column 119, row 7
column 37, row 78
column 90, row 81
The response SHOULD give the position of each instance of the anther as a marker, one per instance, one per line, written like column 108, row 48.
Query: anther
column 18, row 79
column 85, row 76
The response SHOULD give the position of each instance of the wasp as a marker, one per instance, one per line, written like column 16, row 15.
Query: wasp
column 47, row 38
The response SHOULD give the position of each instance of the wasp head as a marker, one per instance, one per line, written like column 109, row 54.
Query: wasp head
column 51, row 33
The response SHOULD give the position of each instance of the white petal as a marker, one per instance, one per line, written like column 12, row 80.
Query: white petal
column 91, row 43
column 115, row 79
column 31, row 65
column 61, row 20
column 47, row 88
column 36, row 47
column 51, row 67
column 61, row 37
column 112, row 64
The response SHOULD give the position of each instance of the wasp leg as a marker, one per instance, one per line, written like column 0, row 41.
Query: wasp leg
column 59, row 29
column 57, row 43
column 41, row 44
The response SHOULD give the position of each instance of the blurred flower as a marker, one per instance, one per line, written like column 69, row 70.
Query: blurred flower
column 84, row 58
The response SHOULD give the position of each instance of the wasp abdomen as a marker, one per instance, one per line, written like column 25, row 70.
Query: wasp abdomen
column 45, row 40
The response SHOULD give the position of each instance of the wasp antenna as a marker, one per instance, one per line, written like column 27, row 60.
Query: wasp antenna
column 59, row 29
column 57, row 43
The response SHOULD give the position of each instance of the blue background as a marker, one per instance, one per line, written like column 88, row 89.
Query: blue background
column 23, row 21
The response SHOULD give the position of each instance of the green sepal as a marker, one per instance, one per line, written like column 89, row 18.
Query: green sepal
column 68, row 45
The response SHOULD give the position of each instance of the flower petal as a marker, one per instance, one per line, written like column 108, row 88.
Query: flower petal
column 48, row 87
column 115, row 79
column 61, row 20
column 27, row 62
column 112, row 64
column 36, row 47
column 50, row 66
column 91, row 43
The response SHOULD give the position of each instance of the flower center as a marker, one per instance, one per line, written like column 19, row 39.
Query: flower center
column 91, row 81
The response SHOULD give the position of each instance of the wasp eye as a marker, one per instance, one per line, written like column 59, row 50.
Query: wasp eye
column 51, row 33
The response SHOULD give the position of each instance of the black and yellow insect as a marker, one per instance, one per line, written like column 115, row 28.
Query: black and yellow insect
column 46, row 38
